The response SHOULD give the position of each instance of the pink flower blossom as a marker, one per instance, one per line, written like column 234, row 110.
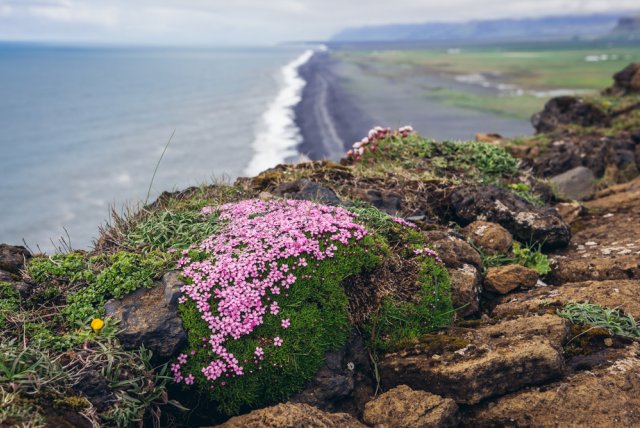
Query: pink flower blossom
column 285, row 323
column 242, row 263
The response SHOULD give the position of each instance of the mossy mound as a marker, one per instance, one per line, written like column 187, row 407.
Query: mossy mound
column 267, row 299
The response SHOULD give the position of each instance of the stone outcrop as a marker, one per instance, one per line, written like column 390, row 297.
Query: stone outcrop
column 526, row 222
column 626, row 81
column 504, row 279
column 495, row 360
column 568, row 110
column 12, row 258
column 603, row 397
column 578, row 183
column 490, row 237
column 292, row 415
column 150, row 317
column 304, row 189
column 403, row 407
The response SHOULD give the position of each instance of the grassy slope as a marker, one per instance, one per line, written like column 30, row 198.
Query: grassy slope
column 527, row 67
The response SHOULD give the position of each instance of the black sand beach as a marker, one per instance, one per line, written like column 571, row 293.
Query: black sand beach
column 342, row 101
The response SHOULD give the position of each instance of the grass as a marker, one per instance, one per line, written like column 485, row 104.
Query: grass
column 614, row 320
column 533, row 68
column 508, row 105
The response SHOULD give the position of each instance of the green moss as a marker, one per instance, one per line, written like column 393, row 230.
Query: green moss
column 398, row 321
column 96, row 279
column 317, row 308
column 9, row 301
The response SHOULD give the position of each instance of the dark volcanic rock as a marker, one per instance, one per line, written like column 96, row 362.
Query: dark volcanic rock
column 344, row 383
column 568, row 110
column 150, row 317
column 526, row 222
column 308, row 190
column 292, row 415
column 403, row 407
column 389, row 202
column 12, row 258
column 626, row 81
column 578, row 183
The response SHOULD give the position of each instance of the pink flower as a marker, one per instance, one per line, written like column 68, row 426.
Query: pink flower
column 259, row 352
column 189, row 379
column 285, row 323
column 277, row 341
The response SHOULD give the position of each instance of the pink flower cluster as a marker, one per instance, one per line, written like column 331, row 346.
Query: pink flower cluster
column 403, row 222
column 235, row 287
column 371, row 141
column 428, row 252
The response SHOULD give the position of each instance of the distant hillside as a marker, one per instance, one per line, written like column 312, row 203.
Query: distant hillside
column 556, row 27
column 628, row 27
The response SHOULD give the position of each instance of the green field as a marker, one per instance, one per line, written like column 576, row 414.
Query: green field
column 533, row 69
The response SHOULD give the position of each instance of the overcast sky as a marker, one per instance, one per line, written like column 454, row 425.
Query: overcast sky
column 214, row 22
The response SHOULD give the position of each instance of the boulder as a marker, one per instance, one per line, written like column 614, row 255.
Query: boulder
column 570, row 211
column 308, row 190
column 149, row 317
column 403, row 407
column 594, row 269
column 578, row 184
column 452, row 249
column 621, row 294
column 491, row 237
column 626, row 81
column 489, row 361
column 292, row 415
column 344, row 383
column 466, row 286
column 464, row 266
column 526, row 222
column 568, row 110
column 503, row 279
column 604, row 397
column 389, row 202
column 12, row 258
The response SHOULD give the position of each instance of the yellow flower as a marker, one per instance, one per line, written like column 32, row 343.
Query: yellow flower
column 97, row 324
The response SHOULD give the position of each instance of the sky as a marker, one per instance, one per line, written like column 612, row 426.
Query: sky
column 251, row 22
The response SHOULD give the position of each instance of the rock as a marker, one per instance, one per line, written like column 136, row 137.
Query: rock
column 578, row 184
column 6, row 276
column 454, row 251
column 94, row 386
column 491, row 237
column 403, row 407
column 622, row 294
column 12, row 258
column 595, row 269
column 568, row 110
column 389, row 202
column 496, row 360
column 489, row 138
column 503, row 279
column 344, row 383
column 291, row 415
column 149, row 317
column 570, row 211
column 526, row 222
column 603, row 397
column 466, row 287
column 626, row 81
column 308, row 190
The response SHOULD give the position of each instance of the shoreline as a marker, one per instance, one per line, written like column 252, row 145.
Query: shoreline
column 328, row 117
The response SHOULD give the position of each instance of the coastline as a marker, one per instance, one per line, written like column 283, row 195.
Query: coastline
column 328, row 117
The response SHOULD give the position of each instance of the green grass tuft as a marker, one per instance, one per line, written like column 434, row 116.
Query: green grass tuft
column 614, row 320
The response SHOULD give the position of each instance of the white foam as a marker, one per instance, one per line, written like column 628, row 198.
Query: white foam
column 279, row 136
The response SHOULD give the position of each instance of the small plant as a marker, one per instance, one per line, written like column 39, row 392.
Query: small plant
column 489, row 159
column 167, row 229
column 614, row 320
column 97, row 278
column 527, row 256
column 524, row 191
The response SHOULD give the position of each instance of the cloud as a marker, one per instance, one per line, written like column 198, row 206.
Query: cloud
column 252, row 21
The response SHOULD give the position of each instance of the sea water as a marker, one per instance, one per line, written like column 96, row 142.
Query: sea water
column 82, row 129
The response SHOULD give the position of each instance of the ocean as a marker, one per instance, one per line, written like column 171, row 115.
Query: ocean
column 83, row 128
